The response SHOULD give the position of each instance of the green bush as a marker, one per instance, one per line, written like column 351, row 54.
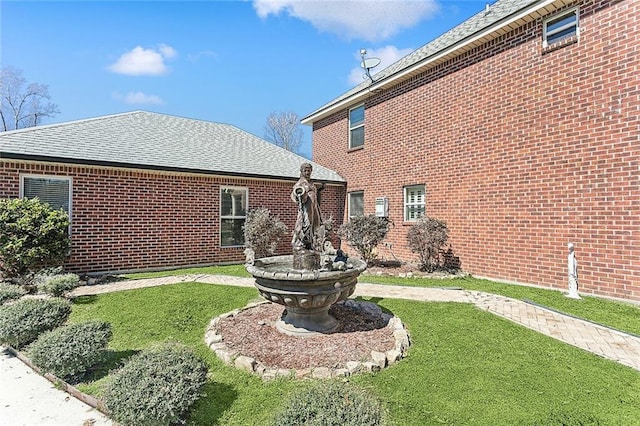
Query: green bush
column 364, row 233
column 32, row 236
column 22, row 322
column 331, row 404
column 262, row 232
column 57, row 284
column 156, row 386
column 10, row 292
column 69, row 351
column 427, row 237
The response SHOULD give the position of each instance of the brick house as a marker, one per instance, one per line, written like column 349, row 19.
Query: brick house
column 151, row 191
column 520, row 129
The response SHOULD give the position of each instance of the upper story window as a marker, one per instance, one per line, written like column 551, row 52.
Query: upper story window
column 414, row 202
column 356, row 203
column 233, row 213
column 560, row 27
column 54, row 190
column 356, row 127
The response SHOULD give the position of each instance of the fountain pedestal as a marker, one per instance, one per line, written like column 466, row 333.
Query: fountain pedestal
column 306, row 294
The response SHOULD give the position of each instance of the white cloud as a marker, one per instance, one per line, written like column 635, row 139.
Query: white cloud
column 141, row 61
column 139, row 98
column 371, row 20
column 387, row 55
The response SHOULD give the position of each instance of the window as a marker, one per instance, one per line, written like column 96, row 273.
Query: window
column 54, row 190
column 356, row 127
column 356, row 203
column 233, row 212
column 560, row 28
column 414, row 203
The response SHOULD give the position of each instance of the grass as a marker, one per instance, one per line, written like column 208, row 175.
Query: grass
column 621, row 316
column 465, row 366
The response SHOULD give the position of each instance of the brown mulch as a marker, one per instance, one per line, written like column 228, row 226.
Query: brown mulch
column 252, row 333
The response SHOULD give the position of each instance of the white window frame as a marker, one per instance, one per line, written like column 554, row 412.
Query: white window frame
column 232, row 216
column 420, row 203
column 67, row 179
column 558, row 17
column 351, row 214
column 356, row 126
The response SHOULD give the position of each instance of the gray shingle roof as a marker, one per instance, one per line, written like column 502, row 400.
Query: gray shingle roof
column 487, row 18
column 156, row 141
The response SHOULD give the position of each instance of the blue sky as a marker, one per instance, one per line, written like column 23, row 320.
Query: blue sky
column 232, row 62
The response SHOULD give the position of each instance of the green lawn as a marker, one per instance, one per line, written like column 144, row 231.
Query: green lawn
column 621, row 316
column 465, row 367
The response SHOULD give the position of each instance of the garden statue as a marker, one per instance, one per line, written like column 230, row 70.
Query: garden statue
column 572, row 264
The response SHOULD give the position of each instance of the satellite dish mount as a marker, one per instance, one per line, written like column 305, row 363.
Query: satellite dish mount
column 368, row 63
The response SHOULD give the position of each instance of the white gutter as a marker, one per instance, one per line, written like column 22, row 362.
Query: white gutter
column 309, row 120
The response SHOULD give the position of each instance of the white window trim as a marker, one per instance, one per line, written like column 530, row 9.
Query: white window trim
column 407, row 204
column 222, row 188
column 351, row 128
column 52, row 177
column 349, row 202
column 545, row 33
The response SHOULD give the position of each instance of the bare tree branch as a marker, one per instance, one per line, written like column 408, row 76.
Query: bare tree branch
column 283, row 129
column 23, row 107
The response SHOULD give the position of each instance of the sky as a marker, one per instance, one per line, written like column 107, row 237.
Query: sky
column 231, row 61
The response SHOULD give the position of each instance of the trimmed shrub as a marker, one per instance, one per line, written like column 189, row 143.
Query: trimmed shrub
column 331, row 404
column 10, row 292
column 156, row 386
column 57, row 284
column 69, row 351
column 32, row 236
column 364, row 233
column 22, row 322
column 263, row 232
column 426, row 237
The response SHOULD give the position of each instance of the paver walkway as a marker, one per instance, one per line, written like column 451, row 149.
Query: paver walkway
column 600, row 340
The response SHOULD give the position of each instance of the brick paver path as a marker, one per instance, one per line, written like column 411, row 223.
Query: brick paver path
column 602, row 341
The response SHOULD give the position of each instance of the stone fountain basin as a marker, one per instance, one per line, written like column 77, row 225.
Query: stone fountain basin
column 307, row 295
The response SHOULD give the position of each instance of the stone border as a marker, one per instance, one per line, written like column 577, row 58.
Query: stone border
column 376, row 362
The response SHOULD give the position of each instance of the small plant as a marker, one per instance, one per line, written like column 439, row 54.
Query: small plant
column 426, row 237
column 22, row 322
column 69, row 351
column 364, row 233
column 32, row 236
column 56, row 284
column 156, row 386
column 331, row 404
column 263, row 232
column 10, row 292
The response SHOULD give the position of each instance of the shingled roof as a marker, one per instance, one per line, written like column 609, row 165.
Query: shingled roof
column 494, row 20
column 146, row 140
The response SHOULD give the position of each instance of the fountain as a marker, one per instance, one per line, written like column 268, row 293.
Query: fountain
column 315, row 277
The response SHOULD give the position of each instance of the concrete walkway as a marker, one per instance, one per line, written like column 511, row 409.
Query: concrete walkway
column 602, row 341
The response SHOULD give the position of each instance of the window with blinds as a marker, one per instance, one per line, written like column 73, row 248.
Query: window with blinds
column 414, row 202
column 56, row 191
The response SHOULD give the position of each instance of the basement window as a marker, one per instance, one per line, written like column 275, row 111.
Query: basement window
column 561, row 28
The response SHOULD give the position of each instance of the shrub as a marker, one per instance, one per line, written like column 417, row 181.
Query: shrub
column 22, row 322
column 70, row 351
column 262, row 232
column 331, row 403
column 156, row 386
column 10, row 292
column 427, row 237
column 32, row 236
column 56, row 284
column 364, row 233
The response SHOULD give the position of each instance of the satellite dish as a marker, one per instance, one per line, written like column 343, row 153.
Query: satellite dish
column 369, row 63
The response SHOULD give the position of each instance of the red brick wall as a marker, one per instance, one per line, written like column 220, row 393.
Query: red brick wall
column 521, row 150
column 134, row 220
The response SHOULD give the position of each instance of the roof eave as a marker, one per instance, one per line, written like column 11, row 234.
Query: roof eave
column 525, row 14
